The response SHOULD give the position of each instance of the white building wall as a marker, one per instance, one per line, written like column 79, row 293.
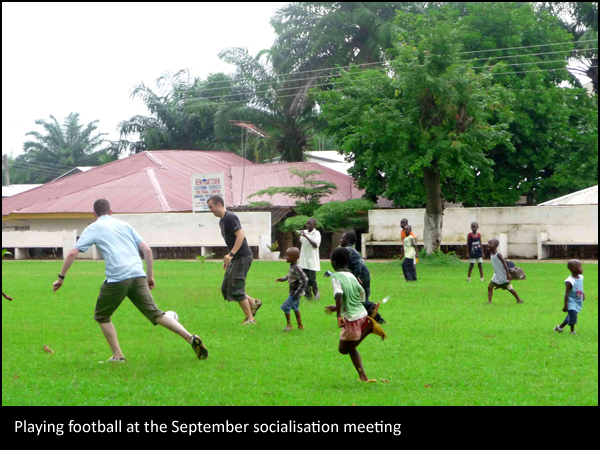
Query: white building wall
column 523, row 225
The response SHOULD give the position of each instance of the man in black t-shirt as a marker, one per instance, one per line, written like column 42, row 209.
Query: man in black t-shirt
column 237, row 263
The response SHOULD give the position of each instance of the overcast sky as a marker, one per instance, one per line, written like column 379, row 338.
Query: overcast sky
column 59, row 58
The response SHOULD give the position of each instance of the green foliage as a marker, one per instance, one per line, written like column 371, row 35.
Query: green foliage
column 296, row 223
column 274, row 247
column 351, row 214
column 438, row 258
column 60, row 148
column 307, row 196
column 5, row 252
column 203, row 259
column 259, row 204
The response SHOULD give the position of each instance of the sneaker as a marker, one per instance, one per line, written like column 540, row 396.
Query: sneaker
column 317, row 294
column 248, row 322
column 558, row 329
column 483, row 279
column 199, row 348
column 114, row 360
column 572, row 332
column 469, row 280
column 254, row 308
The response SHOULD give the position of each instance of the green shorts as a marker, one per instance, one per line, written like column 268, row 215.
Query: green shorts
column 136, row 289
column 504, row 287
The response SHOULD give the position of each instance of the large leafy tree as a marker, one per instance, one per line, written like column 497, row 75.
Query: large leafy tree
column 59, row 147
column 431, row 122
column 554, row 134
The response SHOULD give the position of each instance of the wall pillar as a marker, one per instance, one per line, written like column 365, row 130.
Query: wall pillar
column 20, row 253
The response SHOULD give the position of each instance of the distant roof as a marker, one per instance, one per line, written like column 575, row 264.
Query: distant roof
column 160, row 181
column 587, row 196
column 14, row 189
column 74, row 171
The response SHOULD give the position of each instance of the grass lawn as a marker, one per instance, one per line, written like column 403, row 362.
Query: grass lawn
column 445, row 346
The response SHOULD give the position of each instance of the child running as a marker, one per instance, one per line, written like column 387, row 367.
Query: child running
column 475, row 250
column 574, row 296
column 352, row 317
column 502, row 277
column 298, row 282
column 359, row 269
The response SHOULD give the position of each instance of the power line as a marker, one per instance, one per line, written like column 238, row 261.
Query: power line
column 35, row 169
column 386, row 62
column 358, row 81
column 529, row 46
column 517, row 56
column 30, row 166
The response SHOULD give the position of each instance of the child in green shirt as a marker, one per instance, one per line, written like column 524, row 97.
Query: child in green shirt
column 351, row 315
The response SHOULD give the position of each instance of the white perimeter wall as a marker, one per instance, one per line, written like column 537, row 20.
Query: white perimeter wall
column 522, row 224
column 198, row 230
column 157, row 230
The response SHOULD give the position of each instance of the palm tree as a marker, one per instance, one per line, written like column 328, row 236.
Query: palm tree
column 271, row 102
column 69, row 144
column 61, row 147
column 171, row 126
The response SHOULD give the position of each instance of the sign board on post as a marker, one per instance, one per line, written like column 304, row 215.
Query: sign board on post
column 204, row 186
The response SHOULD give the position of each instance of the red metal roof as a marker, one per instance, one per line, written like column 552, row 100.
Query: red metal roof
column 160, row 181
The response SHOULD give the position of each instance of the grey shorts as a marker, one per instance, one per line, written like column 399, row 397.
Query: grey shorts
column 136, row 289
column 476, row 261
column 234, row 282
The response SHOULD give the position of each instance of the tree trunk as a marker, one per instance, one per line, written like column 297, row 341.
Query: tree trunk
column 434, row 213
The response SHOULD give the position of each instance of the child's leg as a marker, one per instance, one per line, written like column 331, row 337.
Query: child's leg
column 471, row 265
column 288, row 317
column 349, row 348
column 414, row 271
column 515, row 295
column 299, row 320
column 480, row 270
column 490, row 293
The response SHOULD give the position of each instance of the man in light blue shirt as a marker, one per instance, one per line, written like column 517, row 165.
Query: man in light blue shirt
column 120, row 245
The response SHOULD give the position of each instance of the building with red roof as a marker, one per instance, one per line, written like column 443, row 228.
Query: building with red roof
column 156, row 182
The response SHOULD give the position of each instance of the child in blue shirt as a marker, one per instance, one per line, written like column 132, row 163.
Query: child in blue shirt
column 574, row 296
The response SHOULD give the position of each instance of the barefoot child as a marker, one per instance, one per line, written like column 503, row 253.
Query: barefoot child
column 6, row 297
column 574, row 296
column 475, row 250
column 352, row 317
column 502, row 277
column 298, row 282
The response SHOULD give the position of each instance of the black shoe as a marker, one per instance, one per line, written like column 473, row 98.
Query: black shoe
column 199, row 349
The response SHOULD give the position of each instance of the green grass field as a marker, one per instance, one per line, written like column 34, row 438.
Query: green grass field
column 445, row 346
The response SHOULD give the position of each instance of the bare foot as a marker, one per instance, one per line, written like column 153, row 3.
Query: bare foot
column 488, row 303
column 301, row 327
column 520, row 301
column 367, row 380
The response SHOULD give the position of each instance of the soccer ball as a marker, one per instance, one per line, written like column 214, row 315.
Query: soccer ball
column 172, row 315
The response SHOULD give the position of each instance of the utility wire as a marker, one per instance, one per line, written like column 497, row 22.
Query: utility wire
column 387, row 62
column 345, row 82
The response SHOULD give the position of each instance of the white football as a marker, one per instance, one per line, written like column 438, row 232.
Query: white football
column 172, row 315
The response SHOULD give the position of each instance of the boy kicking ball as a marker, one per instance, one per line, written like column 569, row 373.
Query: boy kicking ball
column 298, row 282
column 574, row 296
column 351, row 314
column 502, row 277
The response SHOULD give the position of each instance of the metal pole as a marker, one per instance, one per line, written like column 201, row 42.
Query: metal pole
column 6, row 169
